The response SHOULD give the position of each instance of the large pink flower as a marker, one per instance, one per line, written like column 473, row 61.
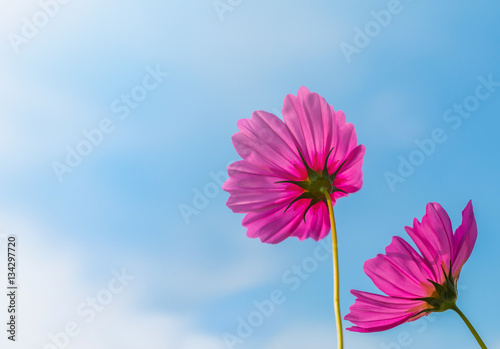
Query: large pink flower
column 415, row 284
column 285, row 165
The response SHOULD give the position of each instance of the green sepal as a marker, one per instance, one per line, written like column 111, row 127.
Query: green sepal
column 317, row 184
column 446, row 294
column 310, row 172
column 304, row 195
column 311, row 204
column 334, row 174
column 303, row 184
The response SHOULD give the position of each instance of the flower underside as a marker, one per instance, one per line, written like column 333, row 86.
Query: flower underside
column 444, row 296
column 316, row 184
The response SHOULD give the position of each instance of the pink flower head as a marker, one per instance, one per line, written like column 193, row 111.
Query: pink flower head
column 415, row 284
column 286, row 165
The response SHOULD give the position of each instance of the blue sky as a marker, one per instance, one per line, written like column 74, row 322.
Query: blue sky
column 194, row 73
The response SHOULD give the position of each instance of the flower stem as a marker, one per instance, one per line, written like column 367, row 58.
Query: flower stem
column 336, row 304
column 469, row 325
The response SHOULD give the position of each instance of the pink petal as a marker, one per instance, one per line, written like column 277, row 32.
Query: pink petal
column 317, row 223
column 316, row 129
column 272, row 226
column 434, row 239
column 372, row 312
column 464, row 239
column 275, row 225
column 378, row 326
column 392, row 278
column 345, row 139
column 409, row 261
column 304, row 115
column 253, row 191
column 264, row 141
column 350, row 176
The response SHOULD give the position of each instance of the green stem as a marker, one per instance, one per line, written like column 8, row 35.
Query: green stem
column 469, row 325
column 336, row 303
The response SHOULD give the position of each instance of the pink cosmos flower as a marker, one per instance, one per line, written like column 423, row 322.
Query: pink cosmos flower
column 286, row 166
column 416, row 284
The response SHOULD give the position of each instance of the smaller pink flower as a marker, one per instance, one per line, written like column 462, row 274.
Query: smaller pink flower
column 415, row 284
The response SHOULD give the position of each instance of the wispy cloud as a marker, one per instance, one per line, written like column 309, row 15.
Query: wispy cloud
column 55, row 293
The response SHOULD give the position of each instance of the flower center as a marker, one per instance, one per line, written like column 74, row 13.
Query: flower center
column 316, row 184
column 444, row 296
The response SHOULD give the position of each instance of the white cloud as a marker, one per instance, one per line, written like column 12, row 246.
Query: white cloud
column 218, row 282
column 52, row 285
column 192, row 274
